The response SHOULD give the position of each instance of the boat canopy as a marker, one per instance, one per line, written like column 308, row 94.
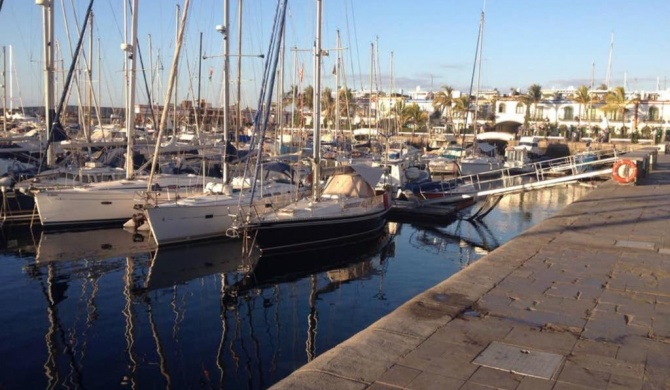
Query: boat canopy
column 348, row 185
column 370, row 174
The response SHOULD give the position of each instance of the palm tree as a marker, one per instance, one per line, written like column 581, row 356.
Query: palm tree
column 461, row 106
column 307, row 97
column 527, row 101
column 413, row 114
column 397, row 110
column 635, row 101
column 535, row 95
column 327, row 106
column 346, row 101
column 443, row 99
column 615, row 101
column 582, row 97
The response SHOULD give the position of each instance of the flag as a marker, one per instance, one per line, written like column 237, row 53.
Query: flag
column 301, row 72
column 334, row 69
column 211, row 73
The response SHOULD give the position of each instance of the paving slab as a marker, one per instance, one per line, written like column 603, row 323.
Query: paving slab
column 590, row 285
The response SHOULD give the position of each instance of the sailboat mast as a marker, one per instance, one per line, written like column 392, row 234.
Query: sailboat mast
column 372, row 61
column 168, row 93
column 226, row 84
column 609, row 63
column 48, row 54
column 240, row 123
column 131, row 50
column 176, row 77
column 4, row 89
column 316, row 114
column 337, row 87
column 11, row 81
column 89, row 71
column 479, row 71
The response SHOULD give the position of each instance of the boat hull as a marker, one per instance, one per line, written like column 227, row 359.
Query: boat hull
column 480, row 168
column 85, row 208
column 289, row 236
column 172, row 225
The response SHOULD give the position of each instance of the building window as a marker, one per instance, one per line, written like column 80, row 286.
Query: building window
column 501, row 108
column 653, row 114
column 568, row 113
column 519, row 108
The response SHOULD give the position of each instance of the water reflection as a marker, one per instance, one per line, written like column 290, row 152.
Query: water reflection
column 105, row 308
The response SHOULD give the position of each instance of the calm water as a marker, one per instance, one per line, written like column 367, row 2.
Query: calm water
column 103, row 309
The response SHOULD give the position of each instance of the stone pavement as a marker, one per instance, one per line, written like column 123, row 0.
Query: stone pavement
column 580, row 301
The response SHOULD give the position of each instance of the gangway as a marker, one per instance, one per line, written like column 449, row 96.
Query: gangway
column 534, row 176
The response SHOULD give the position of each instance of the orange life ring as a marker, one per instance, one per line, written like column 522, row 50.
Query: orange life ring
column 624, row 171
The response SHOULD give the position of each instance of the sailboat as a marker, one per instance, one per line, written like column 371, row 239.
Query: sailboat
column 347, row 209
column 484, row 158
column 212, row 214
column 116, row 200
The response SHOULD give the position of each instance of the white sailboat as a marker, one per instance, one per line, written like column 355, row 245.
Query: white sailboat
column 115, row 201
column 212, row 214
column 347, row 209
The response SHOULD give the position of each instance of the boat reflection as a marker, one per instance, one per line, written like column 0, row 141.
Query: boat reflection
column 336, row 266
column 96, row 244
column 174, row 265
column 462, row 240
column 343, row 262
column 115, row 309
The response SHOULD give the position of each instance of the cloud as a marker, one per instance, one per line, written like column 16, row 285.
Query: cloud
column 458, row 67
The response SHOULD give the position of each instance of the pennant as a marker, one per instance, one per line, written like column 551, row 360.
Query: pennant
column 301, row 72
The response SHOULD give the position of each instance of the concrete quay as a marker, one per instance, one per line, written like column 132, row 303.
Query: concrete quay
column 580, row 301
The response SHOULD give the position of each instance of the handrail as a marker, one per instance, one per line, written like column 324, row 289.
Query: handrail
column 498, row 181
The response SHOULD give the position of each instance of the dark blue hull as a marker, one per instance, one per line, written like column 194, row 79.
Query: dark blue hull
column 282, row 237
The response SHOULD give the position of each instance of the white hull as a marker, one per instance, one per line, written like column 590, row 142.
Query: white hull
column 205, row 216
column 108, row 202
column 479, row 166
column 81, row 207
column 171, row 224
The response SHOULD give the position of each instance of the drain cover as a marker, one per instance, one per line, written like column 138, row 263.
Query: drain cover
column 520, row 360
column 636, row 244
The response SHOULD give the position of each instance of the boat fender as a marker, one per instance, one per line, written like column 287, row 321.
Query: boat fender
column 624, row 171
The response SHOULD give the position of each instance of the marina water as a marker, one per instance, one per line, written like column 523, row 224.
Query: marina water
column 105, row 309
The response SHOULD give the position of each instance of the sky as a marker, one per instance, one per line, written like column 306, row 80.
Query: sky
column 423, row 44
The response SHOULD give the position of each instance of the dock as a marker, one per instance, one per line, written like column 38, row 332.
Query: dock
column 580, row 301
column 408, row 211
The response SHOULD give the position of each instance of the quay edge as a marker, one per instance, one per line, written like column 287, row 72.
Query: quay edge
column 589, row 285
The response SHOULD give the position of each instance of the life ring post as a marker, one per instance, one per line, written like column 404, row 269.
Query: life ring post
column 624, row 171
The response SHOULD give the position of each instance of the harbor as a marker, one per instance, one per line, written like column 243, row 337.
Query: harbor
column 578, row 301
column 233, row 201
column 106, row 308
